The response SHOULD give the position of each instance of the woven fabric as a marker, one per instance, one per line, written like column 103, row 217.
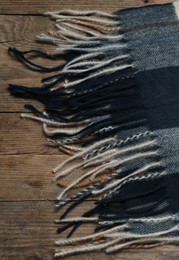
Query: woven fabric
column 112, row 102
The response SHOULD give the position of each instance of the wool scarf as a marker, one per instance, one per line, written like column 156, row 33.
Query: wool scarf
column 112, row 103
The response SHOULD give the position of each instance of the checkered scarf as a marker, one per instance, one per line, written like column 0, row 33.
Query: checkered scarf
column 111, row 102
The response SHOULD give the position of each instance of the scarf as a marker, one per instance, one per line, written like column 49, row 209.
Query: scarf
column 111, row 101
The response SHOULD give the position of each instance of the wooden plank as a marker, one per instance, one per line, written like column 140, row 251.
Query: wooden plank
column 20, row 32
column 22, row 29
column 39, row 7
column 28, row 232
column 27, row 229
column 28, row 177
column 22, row 136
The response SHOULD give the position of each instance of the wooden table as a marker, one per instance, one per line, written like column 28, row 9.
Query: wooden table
column 27, row 193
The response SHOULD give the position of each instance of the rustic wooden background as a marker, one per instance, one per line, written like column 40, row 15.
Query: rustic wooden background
column 27, row 194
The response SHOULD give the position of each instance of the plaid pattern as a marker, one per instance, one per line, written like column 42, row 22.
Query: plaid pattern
column 113, row 104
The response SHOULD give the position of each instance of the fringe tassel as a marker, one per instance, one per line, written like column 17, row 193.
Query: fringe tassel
column 93, row 111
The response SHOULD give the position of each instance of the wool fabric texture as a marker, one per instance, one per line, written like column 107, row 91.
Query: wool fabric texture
column 112, row 102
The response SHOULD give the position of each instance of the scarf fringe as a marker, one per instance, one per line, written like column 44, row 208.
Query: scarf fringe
column 89, row 101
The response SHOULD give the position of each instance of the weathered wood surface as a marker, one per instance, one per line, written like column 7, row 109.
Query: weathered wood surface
column 27, row 192
column 40, row 6
column 28, row 232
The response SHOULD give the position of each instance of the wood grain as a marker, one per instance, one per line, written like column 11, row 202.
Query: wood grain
column 28, row 232
column 39, row 6
column 27, row 192
column 24, row 178
column 21, row 136
column 20, row 32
